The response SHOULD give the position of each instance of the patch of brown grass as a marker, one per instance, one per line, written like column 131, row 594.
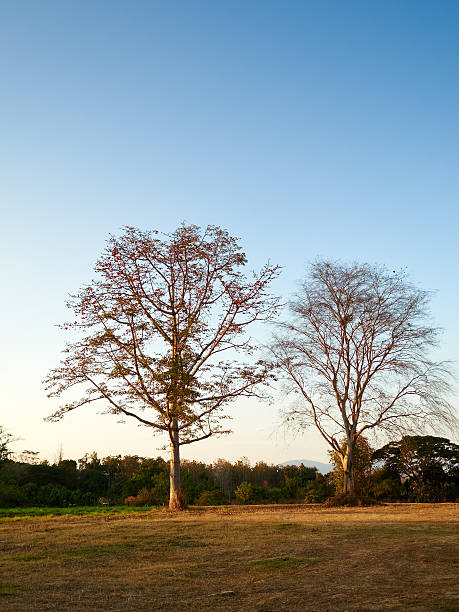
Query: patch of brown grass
column 394, row 557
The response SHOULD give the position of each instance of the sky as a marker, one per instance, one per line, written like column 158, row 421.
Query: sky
column 305, row 129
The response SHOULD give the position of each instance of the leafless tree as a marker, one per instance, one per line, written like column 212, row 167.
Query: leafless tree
column 5, row 440
column 157, row 326
column 356, row 352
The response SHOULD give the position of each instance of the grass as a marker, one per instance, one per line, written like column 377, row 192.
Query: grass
column 396, row 557
column 279, row 563
column 72, row 511
column 8, row 589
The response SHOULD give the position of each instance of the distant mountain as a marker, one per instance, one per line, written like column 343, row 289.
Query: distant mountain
column 323, row 468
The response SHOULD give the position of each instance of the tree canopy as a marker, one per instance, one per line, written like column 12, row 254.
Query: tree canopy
column 163, row 328
column 356, row 354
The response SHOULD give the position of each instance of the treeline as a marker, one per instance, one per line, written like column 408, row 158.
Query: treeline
column 134, row 480
column 416, row 468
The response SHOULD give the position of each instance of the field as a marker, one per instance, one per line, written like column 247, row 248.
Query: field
column 394, row 557
column 27, row 513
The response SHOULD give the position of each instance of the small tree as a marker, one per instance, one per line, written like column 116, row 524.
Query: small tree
column 5, row 440
column 362, row 462
column 245, row 493
column 157, row 324
column 356, row 354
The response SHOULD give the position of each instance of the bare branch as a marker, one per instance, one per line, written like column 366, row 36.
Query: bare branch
column 356, row 351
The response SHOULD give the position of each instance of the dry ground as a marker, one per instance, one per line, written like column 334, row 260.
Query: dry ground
column 395, row 557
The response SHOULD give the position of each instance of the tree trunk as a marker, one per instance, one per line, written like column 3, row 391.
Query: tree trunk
column 348, row 469
column 176, row 499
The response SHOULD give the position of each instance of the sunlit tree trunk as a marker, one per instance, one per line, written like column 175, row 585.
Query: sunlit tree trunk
column 348, row 468
column 176, row 500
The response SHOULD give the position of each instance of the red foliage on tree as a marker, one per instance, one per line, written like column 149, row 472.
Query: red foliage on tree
column 157, row 325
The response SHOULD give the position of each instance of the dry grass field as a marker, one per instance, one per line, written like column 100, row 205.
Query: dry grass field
column 394, row 557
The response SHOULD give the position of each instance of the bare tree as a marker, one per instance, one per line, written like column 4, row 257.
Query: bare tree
column 356, row 353
column 5, row 440
column 157, row 326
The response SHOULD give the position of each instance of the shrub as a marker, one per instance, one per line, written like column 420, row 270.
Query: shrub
column 211, row 498
column 53, row 495
column 273, row 495
column 349, row 499
column 386, row 485
column 362, row 459
column 245, row 493
column 318, row 490
column 146, row 497
column 10, row 495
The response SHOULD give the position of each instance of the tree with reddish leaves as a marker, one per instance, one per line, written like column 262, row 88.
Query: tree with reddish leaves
column 162, row 328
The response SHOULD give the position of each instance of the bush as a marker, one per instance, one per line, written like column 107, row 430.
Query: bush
column 386, row 486
column 349, row 499
column 88, row 499
column 53, row 495
column 319, row 490
column 145, row 497
column 362, row 459
column 11, row 495
column 245, row 493
column 273, row 495
column 211, row 498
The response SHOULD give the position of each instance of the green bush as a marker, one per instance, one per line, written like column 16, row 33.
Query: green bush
column 211, row 498
column 273, row 495
column 386, row 485
column 363, row 464
column 319, row 490
column 246, row 493
column 11, row 495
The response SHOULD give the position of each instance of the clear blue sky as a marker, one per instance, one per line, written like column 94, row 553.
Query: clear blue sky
column 305, row 128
